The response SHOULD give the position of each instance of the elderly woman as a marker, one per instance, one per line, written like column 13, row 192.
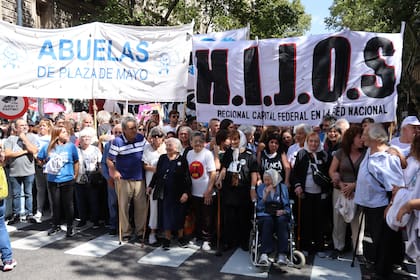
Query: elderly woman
column 249, row 131
column 300, row 131
column 184, row 134
column 379, row 173
column 89, row 179
column 310, row 161
column 152, row 151
column 61, row 165
column 237, row 180
column 273, row 212
column 343, row 172
column 203, row 175
column 172, row 188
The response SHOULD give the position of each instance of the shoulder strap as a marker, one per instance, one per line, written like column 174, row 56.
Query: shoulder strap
column 352, row 166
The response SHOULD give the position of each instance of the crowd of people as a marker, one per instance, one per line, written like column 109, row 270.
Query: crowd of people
column 145, row 179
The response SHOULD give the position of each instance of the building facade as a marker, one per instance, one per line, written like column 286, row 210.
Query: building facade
column 45, row 13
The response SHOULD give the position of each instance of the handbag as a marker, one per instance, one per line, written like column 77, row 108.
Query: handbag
column 319, row 178
column 4, row 187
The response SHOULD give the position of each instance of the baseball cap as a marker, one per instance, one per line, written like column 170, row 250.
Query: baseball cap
column 413, row 120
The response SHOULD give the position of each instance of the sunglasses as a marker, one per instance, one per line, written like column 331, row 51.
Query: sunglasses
column 175, row 116
column 141, row 129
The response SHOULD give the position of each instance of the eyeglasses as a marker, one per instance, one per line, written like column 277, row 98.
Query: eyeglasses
column 117, row 132
column 175, row 116
column 141, row 129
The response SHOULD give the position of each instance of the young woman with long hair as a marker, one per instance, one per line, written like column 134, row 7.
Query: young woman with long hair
column 61, row 165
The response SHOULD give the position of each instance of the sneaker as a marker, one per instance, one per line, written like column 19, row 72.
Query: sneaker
column 37, row 217
column 54, row 230
column 70, row 232
column 263, row 259
column 206, row 246
column 9, row 265
column 182, row 242
column 81, row 224
column 281, row 259
column 152, row 239
column 14, row 220
column 166, row 244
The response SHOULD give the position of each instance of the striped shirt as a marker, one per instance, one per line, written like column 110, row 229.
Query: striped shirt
column 127, row 156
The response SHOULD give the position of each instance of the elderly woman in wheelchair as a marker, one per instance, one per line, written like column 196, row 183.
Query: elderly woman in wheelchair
column 273, row 215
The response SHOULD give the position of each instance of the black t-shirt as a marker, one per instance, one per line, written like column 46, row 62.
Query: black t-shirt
column 243, row 167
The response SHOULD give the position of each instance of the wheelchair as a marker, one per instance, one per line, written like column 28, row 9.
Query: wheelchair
column 295, row 258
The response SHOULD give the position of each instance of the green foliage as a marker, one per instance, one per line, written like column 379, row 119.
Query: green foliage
column 267, row 18
column 372, row 15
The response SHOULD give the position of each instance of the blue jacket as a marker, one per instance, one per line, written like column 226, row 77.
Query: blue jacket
column 284, row 196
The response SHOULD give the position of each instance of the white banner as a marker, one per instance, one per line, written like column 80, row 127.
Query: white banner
column 96, row 60
column 289, row 81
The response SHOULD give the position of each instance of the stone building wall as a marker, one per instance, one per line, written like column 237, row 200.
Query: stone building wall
column 45, row 13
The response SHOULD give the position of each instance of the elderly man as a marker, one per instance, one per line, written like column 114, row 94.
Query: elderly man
column 409, row 127
column 20, row 149
column 125, row 165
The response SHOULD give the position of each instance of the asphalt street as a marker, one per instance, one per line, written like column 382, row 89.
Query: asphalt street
column 93, row 254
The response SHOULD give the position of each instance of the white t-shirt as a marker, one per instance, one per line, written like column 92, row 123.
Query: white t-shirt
column 168, row 128
column 292, row 152
column 200, row 164
column 403, row 147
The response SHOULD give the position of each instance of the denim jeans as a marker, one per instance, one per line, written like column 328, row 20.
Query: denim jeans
column 112, row 207
column 5, row 247
column 16, row 183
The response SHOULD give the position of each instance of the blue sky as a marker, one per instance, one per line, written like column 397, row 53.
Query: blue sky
column 318, row 9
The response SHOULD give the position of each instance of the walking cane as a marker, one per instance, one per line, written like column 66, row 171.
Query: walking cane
column 145, row 223
column 299, row 222
column 218, row 251
column 117, row 187
column 357, row 238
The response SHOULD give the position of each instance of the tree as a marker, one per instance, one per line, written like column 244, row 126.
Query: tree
column 372, row 15
column 267, row 18
column 386, row 16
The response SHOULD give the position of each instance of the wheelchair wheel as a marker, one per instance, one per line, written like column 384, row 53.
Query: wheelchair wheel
column 299, row 259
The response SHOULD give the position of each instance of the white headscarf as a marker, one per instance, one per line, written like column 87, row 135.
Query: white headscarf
column 275, row 176
column 242, row 145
